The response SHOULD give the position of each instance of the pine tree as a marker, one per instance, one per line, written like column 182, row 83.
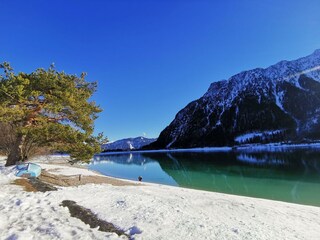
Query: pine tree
column 50, row 109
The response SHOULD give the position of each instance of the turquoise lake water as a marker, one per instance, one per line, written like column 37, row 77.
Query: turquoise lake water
column 288, row 175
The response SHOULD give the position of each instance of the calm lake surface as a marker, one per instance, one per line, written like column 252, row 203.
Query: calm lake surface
column 291, row 175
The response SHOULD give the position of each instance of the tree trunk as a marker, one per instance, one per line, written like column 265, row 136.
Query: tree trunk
column 16, row 152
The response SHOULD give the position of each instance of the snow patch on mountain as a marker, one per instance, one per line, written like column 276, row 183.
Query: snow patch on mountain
column 250, row 136
column 260, row 80
column 128, row 144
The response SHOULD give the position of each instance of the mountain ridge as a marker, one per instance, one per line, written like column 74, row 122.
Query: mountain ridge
column 282, row 98
column 127, row 144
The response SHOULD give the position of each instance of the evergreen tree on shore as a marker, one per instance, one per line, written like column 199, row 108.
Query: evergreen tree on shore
column 50, row 109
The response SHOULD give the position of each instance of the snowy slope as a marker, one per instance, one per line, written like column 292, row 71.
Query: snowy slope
column 128, row 144
column 283, row 98
column 150, row 211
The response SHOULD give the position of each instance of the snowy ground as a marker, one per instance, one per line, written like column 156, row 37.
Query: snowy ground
column 149, row 211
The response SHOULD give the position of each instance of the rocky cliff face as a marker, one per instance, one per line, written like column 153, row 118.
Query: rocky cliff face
column 281, row 102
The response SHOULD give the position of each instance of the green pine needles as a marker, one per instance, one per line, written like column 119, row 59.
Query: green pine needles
column 50, row 109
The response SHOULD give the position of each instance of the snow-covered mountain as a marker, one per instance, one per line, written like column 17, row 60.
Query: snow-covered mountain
column 128, row 144
column 281, row 102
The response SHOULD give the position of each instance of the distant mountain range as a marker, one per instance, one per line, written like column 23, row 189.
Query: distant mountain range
column 128, row 144
column 278, row 103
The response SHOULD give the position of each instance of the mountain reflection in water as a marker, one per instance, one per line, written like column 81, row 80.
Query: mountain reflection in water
column 292, row 176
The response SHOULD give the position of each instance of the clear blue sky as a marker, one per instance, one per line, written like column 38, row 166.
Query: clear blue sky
column 151, row 58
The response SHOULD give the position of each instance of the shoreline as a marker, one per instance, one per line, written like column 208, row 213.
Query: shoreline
column 57, row 165
column 117, row 181
column 149, row 211
column 245, row 147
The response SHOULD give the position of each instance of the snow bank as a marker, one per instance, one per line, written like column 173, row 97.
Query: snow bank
column 151, row 211
column 7, row 174
column 202, row 149
column 66, row 170
column 26, row 215
column 55, row 158
column 277, row 146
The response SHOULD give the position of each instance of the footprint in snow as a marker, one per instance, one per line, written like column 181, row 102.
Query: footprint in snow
column 235, row 230
column 18, row 202
column 121, row 203
column 134, row 230
column 12, row 237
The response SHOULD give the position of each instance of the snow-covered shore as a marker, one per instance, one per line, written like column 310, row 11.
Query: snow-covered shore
column 148, row 211
column 280, row 146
